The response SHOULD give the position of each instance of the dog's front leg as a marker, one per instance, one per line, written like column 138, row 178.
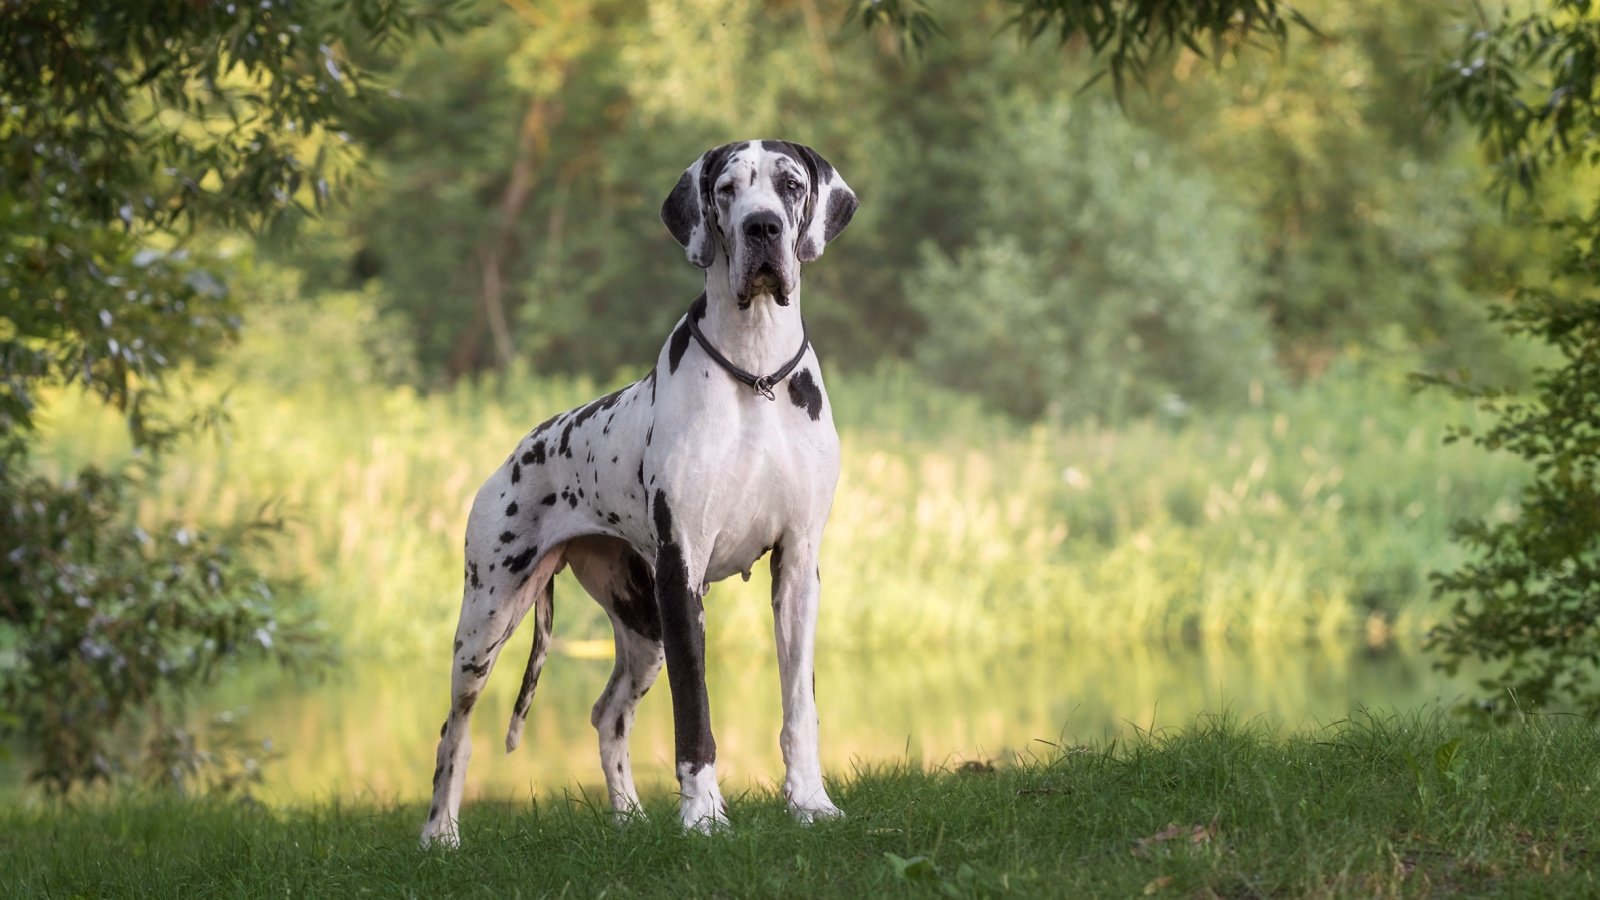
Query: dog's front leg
column 683, row 639
column 796, row 591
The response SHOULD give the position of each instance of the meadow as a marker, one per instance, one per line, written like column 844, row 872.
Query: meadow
column 1371, row 806
column 996, row 584
column 1304, row 514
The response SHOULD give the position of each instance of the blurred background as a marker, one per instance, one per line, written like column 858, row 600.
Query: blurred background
column 1122, row 386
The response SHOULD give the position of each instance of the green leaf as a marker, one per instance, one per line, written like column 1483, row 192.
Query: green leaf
column 917, row 869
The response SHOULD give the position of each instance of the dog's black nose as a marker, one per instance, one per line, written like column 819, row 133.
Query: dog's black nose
column 763, row 226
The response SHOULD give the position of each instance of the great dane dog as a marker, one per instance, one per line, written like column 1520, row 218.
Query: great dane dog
column 725, row 451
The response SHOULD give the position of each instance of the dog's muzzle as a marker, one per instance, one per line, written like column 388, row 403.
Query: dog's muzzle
column 764, row 271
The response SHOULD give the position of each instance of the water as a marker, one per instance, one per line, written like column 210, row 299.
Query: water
column 368, row 733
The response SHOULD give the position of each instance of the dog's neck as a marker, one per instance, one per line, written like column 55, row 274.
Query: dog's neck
column 759, row 339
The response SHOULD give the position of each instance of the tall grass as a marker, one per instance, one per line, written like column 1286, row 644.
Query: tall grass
column 1310, row 513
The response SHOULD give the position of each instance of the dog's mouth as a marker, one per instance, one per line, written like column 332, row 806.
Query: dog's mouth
column 764, row 280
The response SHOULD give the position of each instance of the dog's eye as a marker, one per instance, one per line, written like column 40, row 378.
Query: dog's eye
column 726, row 188
column 792, row 185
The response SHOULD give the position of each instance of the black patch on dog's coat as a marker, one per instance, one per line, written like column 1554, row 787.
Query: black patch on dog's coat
column 841, row 209
column 634, row 601
column 684, row 641
column 681, row 212
column 549, row 500
column 544, row 426
column 594, row 406
column 805, row 156
column 679, row 343
column 676, row 347
column 479, row 670
column 794, row 200
column 516, row 473
column 472, row 575
column 517, row 563
column 804, row 393
column 511, row 508
column 507, row 537
column 566, row 434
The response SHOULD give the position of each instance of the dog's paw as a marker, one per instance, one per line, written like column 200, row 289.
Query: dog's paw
column 707, row 815
column 443, row 836
column 625, row 816
column 710, row 823
column 702, row 808
column 815, row 812
column 808, row 803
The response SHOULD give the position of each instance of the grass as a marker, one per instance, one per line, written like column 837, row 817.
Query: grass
column 1411, row 805
column 1306, row 514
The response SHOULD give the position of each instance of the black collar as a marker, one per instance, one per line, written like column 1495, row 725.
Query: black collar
column 762, row 383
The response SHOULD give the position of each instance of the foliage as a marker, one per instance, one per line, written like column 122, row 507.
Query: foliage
column 1373, row 241
column 1105, row 279
column 1529, row 599
column 1128, row 38
column 105, row 622
column 513, row 204
column 1375, row 805
column 129, row 128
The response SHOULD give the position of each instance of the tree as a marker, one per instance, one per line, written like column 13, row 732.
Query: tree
column 1105, row 280
column 1528, row 601
column 131, row 127
column 1127, row 36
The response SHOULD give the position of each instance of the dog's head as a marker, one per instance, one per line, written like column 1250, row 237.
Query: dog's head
column 765, row 206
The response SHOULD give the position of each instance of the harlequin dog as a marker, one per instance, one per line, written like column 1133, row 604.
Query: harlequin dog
column 725, row 451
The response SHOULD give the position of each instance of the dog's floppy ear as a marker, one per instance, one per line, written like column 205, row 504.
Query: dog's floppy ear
column 688, row 212
column 832, row 205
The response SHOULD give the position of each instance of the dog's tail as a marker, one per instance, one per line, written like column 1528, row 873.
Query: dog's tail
column 543, row 615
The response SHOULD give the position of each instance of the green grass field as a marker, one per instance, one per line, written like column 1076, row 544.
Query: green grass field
column 1373, row 806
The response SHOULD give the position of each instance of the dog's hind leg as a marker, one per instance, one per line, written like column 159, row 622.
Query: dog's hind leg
column 621, row 581
column 493, row 605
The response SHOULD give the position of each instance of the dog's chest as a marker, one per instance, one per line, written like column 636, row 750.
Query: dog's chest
column 744, row 474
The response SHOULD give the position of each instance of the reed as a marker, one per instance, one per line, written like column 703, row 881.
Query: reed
column 1308, row 513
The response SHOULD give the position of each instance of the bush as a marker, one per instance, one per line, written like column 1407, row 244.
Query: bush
column 130, row 127
column 1121, row 287
column 105, row 627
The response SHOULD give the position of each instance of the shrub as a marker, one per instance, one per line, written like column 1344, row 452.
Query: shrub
column 1121, row 287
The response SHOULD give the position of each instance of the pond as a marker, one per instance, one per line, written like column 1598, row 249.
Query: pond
column 368, row 732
